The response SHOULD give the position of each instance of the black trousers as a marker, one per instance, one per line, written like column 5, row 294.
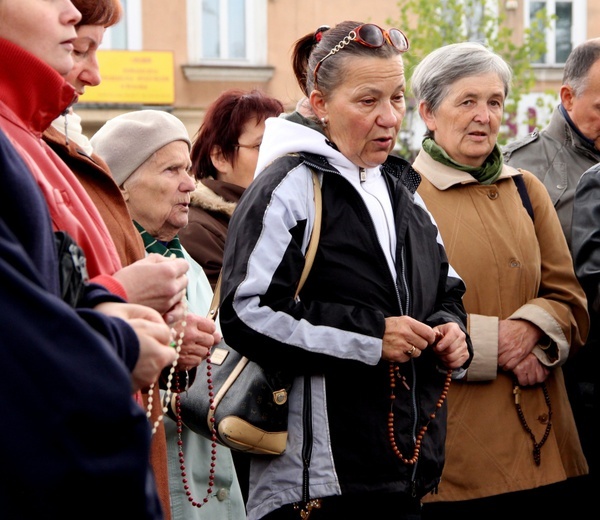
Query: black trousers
column 555, row 501
column 368, row 506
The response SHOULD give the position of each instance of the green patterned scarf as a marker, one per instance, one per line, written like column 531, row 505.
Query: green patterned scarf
column 153, row 245
column 487, row 173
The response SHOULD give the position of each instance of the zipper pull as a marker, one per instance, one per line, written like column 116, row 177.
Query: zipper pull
column 65, row 115
column 363, row 174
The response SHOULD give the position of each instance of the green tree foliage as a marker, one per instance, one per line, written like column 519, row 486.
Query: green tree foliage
column 430, row 24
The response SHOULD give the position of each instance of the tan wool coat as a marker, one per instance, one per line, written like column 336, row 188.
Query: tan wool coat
column 514, row 268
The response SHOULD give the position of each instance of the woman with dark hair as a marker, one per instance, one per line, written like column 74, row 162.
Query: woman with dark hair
column 378, row 330
column 224, row 156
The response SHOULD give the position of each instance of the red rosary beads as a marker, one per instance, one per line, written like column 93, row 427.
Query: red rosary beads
column 213, row 458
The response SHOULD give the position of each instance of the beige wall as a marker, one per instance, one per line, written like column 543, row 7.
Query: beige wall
column 164, row 28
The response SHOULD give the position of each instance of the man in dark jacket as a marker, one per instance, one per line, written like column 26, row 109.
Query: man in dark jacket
column 586, row 258
column 559, row 155
column 570, row 144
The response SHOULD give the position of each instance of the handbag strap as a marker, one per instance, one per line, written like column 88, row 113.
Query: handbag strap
column 313, row 242
column 311, row 251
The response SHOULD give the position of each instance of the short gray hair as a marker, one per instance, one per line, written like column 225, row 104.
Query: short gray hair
column 439, row 70
column 579, row 63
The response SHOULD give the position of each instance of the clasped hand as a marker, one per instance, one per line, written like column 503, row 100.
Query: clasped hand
column 516, row 341
column 153, row 335
column 405, row 338
column 199, row 336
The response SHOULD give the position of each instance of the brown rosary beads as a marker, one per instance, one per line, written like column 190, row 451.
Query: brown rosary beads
column 394, row 376
column 174, row 378
column 537, row 446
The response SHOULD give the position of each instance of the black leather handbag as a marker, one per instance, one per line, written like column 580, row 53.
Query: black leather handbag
column 249, row 410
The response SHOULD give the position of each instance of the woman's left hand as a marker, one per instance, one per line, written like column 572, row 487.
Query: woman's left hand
column 451, row 345
column 199, row 336
column 530, row 371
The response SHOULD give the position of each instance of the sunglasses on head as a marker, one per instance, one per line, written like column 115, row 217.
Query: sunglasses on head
column 369, row 35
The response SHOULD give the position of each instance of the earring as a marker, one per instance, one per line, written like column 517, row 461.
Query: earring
column 324, row 121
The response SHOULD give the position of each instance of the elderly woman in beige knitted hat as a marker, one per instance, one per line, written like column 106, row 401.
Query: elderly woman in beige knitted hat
column 148, row 154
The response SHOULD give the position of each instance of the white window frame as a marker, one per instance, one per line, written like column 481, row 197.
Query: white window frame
column 256, row 34
column 578, row 29
column 133, row 18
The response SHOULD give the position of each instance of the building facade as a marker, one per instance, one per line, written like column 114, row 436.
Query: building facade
column 218, row 44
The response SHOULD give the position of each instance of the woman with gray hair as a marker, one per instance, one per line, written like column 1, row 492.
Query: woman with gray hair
column 511, row 432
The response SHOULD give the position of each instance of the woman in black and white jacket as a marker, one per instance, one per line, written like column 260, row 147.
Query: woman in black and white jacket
column 379, row 323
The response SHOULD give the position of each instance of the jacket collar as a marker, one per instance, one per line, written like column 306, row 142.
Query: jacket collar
column 56, row 139
column 588, row 143
column 216, row 196
column 34, row 102
column 396, row 167
column 444, row 177
column 560, row 129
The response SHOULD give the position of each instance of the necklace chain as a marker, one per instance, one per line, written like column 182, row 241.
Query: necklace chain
column 167, row 397
column 174, row 377
column 213, row 453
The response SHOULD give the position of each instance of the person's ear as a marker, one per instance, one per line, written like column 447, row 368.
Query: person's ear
column 567, row 96
column 427, row 116
column 318, row 104
column 217, row 159
column 125, row 193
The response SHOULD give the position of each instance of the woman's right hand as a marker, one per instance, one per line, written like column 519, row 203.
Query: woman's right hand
column 154, row 337
column 155, row 281
column 404, row 338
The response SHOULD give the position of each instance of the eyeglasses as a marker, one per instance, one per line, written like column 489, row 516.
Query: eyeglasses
column 369, row 35
column 249, row 146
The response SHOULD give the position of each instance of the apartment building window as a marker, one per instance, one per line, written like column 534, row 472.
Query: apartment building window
column 227, row 32
column 127, row 34
column 567, row 28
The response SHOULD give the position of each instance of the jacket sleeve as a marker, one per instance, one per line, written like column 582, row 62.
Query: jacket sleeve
column 263, row 260
column 73, row 397
column 586, row 235
column 560, row 308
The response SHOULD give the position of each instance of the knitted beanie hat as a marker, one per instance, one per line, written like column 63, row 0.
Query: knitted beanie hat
column 129, row 140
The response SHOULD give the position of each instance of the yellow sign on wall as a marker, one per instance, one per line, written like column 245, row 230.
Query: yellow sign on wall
column 145, row 77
